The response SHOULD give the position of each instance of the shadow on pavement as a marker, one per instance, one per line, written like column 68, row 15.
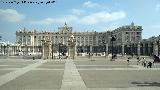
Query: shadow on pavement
column 140, row 84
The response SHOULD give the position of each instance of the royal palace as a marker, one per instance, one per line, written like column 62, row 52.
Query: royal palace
column 123, row 40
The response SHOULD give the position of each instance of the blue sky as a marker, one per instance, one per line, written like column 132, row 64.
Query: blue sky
column 82, row 15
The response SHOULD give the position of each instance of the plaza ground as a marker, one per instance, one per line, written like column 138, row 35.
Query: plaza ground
column 79, row 74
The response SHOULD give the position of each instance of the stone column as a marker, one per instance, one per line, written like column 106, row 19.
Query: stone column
column 90, row 48
column 122, row 49
column 26, row 40
column 138, row 49
column 106, row 49
column 88, row 40
column 33, row 44
column 76, row 50
column 8, row 50
column 149, row 51
column 50, row 50
column 22, row 39
column 13, row 50
column 83, row 49
column 68, row 50
column 1, row 48
column 143, row 48
column 43, row 51
column 155, row 48
column 20, row 48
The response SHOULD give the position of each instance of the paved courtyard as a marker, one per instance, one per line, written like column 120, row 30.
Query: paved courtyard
column 99, row 74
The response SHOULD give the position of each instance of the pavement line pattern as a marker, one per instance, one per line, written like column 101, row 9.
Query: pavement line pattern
column 122, row 69
column 46, row 69
column 137, row 66
column 71, row 77
column 100, row 65
column 7, row 65
column 12, row 75
column 9, row 69
column 131, row 88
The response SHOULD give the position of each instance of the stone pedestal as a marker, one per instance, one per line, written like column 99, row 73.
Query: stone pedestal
column 72, row 47
column 72, row 52
column 46, row 49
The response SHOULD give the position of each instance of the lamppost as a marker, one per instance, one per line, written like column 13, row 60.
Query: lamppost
column 112, row 40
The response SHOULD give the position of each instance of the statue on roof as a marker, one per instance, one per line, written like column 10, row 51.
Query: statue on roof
column 65, row 29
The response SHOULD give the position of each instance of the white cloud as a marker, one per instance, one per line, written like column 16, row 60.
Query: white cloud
column 94, row 18
column 158, row 7
column 78, row 12
column 11, row 15
column 68, row 18
column 103, row 17
column 90, row 4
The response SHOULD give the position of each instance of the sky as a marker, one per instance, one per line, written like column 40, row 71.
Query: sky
column 82, row 15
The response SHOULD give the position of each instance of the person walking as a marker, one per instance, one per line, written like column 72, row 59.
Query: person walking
column 138, row 60
column 128, row 61
column 144, row 62
column 149, row 65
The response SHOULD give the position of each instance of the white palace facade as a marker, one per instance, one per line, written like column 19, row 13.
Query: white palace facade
column 95, row 42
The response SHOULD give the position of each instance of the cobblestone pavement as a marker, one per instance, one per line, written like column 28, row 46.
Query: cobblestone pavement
column 85, row 74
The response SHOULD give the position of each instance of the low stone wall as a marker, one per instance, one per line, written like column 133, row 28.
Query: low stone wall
column 21, row 57
column 32, row 56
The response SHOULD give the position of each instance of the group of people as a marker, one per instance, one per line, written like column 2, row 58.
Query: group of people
column 156, row 59
column 143, row 62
